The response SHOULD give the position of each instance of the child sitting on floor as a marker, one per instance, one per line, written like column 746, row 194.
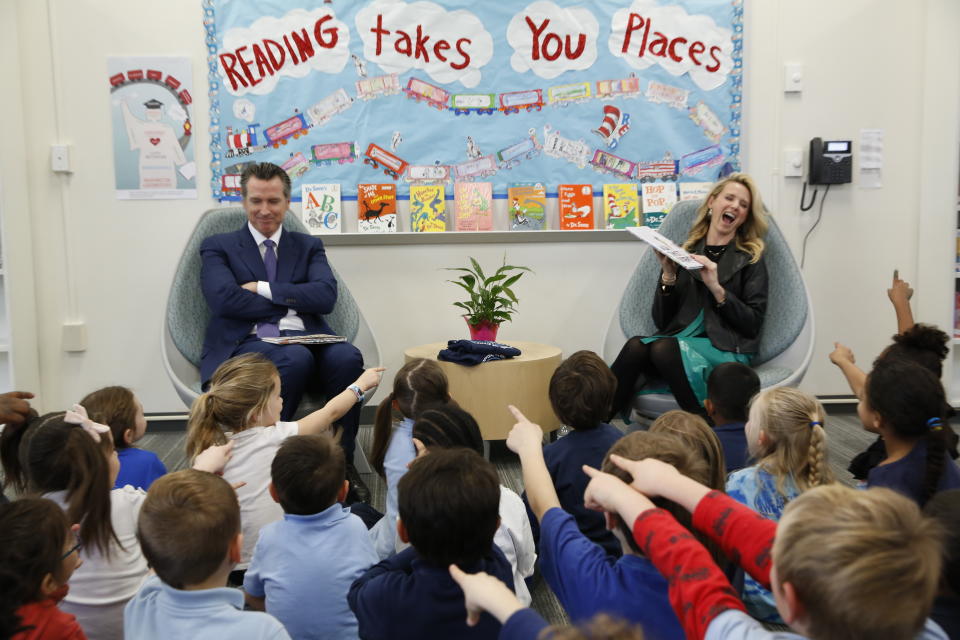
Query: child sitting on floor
column 39, row 551
column 119, row 409
column 448, row 502
column 730, row 388
column 189, row 529
column 304, row 565
column 581, row 393
column 842, row 563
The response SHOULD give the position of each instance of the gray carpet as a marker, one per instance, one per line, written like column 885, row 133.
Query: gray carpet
column 847, row 438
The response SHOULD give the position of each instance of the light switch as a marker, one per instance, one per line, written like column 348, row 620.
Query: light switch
column 793, row 77
column 792, row 163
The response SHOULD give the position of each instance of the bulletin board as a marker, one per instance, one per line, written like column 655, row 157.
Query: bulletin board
column 350, row 92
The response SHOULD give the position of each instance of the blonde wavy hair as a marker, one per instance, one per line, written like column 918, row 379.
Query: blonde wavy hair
column 239, row 391
column 796, row 442
column 751, row 232
column 864, row 564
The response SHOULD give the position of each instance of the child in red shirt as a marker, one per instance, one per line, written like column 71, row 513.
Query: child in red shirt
column 39, row 551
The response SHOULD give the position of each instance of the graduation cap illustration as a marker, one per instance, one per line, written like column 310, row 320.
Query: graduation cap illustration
column 153, row 103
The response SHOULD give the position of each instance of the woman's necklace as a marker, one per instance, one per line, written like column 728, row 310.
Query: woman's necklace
column 714, row 252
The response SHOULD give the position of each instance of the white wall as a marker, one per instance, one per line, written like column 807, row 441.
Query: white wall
column 75, row 253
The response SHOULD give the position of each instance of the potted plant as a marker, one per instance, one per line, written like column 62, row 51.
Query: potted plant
column 491, row 300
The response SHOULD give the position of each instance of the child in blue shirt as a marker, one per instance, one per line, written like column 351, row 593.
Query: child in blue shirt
column 448, row 503
column 189, row 530
column 581, row 393
column 584, row 578
column 118, row 408
column 303, row 565
column 730, row 387
column 905, row 404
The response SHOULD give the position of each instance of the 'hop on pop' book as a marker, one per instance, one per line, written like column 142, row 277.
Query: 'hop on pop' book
column 377, row 208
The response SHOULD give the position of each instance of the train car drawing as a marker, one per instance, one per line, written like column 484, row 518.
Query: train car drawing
column 625, row 88
column 665, row 169
column 511, row 156
column 377, row 157
column 292, row 127
column 479, row 168
column 230, row 183
column 467, row 103
column 378, row 86
column 427, row 174
column 335, row 103
column 434, row 96
column 696, row 161
column 556, row 146
column 333, row 152
column 513, row 101
column 242, row 142
column 608, row 163
column 563, row 94
column 296, row 165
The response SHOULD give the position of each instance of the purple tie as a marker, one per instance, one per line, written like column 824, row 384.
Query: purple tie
column 269, row 329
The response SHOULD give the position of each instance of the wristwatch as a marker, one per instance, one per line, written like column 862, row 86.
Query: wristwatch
column 359, row 392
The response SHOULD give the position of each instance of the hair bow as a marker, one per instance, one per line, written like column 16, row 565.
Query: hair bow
column 935, row 424
column 815, row 423
column 78, row 415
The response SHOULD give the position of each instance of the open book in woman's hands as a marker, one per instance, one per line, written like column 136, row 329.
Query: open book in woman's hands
column 666, row 246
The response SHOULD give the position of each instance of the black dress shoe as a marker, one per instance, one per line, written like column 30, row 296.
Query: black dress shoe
column 359, row 492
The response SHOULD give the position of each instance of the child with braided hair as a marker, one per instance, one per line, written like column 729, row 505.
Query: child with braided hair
column 785, row 435
column 904, row 402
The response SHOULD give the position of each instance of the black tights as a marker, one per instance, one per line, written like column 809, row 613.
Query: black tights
column 659, row 359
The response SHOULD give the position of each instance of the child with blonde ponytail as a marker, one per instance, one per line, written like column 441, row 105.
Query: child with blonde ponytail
column 242, row 406
column 786, row 437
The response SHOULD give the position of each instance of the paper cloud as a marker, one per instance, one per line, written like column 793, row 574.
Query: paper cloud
column 243, row 109
column 449, row 46
column 549, row 40
column 646, row 34
column 253, row 59
column 176, row 113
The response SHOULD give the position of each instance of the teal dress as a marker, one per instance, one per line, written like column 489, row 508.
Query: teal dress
column 699, row 357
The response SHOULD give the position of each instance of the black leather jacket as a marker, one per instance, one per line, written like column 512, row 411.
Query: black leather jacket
column 732, row 326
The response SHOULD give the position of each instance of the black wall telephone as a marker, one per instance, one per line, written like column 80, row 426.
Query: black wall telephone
column 831, row 162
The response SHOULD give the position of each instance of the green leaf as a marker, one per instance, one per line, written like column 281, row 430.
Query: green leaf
column 463, row 305
column 509, row 281
column 476, row 267
column 470, row 280
column 511, row 295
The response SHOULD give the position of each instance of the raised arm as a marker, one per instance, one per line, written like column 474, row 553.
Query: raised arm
column 526, row 440
column 900, row 294
column 842, row 356
column 322, row 419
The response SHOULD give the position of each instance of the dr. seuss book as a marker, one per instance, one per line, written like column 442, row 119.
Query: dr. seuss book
column 428, row 209
column 695, row 190
column 376, row 208
column 658, row 199
column 576, row 206
column 320, row 210
column 474, row 202
column 621, row 206
column 527, row 206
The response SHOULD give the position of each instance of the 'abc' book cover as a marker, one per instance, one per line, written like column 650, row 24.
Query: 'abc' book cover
column 575, row 202
column 377, row 208
column 320, row 210
column 621, row 206
column 428, row 208
column 527, row 206
column 474, row 202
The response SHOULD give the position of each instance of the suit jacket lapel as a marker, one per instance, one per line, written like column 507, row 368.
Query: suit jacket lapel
column 250, row 254
column 289, row 254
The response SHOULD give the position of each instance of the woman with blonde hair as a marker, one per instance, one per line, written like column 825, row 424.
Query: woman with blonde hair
column 710, row 315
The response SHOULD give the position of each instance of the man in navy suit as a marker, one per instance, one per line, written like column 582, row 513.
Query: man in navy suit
column 262, row 281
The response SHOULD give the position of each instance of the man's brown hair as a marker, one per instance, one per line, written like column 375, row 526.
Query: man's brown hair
column 307, row 473
column 186, row 525
column 581, row 390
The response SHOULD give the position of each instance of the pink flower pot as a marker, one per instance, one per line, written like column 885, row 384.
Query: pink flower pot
column 483, row 330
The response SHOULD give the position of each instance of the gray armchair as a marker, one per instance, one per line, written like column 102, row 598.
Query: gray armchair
column 787, row 336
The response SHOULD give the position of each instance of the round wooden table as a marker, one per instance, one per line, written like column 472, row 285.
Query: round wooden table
column 486, row 389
